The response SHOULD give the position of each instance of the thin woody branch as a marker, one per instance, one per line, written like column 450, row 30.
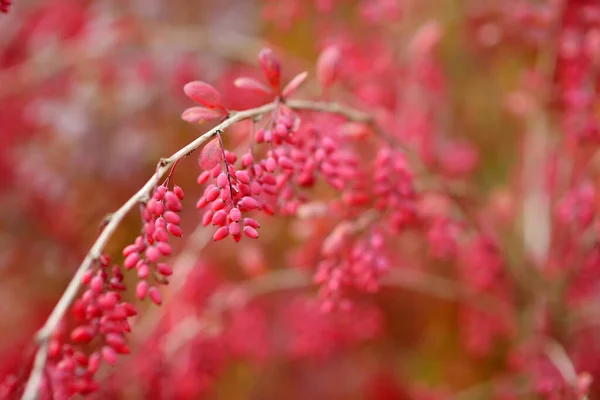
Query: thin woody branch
column 44, row 334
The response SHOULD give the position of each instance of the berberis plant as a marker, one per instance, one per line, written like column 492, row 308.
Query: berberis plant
column 376, row 235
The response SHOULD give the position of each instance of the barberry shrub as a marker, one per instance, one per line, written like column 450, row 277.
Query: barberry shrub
column 410, row 214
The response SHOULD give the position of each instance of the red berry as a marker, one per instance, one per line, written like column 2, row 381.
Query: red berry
column 251, row 232
column 174, row 230
column 221, row 233
column 155, row 296
column 141, row 290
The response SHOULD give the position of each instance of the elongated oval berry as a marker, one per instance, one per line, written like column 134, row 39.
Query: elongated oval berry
column 250, row 232
column 235, row 214
column 286, row 163
column 82, row 334
column 207, row 217
column 164, row 269
column 243, row 189
column 251, row 222
column 213, row 194
column 255, row 188
column 159, row 193
column 203, row 93
column 268, row 136
column 203, row 177
column 152, row 254
column 159, row 208
column 164, row 248
column 174, row 230
column 247, row 160
column 87, row 277
column 247, row 203
column 234, row 228
column 161, row 235
column 108, row 301
column 219, row 218
column 149, row 228
column 109, row 355
column 114, row 340
column 178, row 192
column 80, row 358
column 97, row 284
column 243, row 177
column 172, row 202
column 131, row 260
column 66, row 365
column 222, row 180
column 218, row 205
column 200, row 204
column 270, row 189
column 269, row 179
column 230, row 157
column 143, row 271
column 104, row 260
column 155, row 296
column 221, row 233
column 141, row 290
column 132, row 248
column 93, row 362
column 129, row 309
column 216, row 170
column 259, row 136
column 88, row 296
column 226, row 195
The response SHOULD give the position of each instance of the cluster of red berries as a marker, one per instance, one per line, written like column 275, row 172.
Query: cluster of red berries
column 350, row 261
column 394, row 188
column 161, row 220
column 102, row 318
column 231, row 195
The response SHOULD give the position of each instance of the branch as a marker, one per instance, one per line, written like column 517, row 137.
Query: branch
column 44, row 334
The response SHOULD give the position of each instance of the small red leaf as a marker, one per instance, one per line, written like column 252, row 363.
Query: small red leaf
column 328, row 66
column 271, row 67
column 294, row 84
column 204, row 94
column 197, row 115
column 210, row 155
column 251, row 84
